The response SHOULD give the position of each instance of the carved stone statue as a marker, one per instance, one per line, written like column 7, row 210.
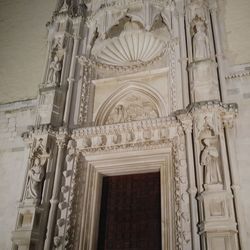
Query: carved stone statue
column 71, row 150
column 200, row 42
column 210, row 161
column 118, row 116
column 35, row 178
column 54, row 71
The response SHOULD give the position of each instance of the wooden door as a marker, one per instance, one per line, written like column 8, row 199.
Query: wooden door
column 130, row 217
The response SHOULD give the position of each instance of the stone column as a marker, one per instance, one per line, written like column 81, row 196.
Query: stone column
column 61, row 142
column 192, row 189
column 219, row 52
column 71, row 79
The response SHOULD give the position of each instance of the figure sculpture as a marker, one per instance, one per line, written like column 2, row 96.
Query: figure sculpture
column 35, row 178
column 210, row 161
column 71, row 151
column 54, row 71
column 201, row 49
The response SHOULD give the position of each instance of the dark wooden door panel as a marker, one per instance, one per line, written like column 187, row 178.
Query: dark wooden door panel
column 130, row 216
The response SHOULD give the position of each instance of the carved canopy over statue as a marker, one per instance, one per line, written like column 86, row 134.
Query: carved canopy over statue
column 72, row 7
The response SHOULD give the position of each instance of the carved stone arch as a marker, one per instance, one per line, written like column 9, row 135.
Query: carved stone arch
column 149, row 97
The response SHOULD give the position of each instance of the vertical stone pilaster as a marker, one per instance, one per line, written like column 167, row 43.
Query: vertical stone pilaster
column 217, row 220
column 186, row 121
column 33, row 206
column 61, row 142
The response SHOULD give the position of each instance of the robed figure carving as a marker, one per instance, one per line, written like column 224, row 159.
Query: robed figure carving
column 201, row 49
column 35, row 180
column 210, row 161
column 54, row 71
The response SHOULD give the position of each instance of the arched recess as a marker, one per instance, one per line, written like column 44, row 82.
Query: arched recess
column 151, row 102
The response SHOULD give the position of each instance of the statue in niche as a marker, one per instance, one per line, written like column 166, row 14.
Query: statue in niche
column 71, row 151
column 201, row 49
column 54, row 71
column 35, row 179
column 210, row 161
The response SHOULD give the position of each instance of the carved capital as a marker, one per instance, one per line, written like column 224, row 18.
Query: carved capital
column 62, row 137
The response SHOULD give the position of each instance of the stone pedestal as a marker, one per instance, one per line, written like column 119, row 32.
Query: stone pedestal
column 204, row 81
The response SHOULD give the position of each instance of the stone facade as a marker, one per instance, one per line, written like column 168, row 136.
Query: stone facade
column 131, row 87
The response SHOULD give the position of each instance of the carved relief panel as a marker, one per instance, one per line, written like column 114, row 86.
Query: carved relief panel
column 132, row 108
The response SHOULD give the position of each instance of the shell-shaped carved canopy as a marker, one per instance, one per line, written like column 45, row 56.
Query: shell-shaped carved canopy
column 132, row 46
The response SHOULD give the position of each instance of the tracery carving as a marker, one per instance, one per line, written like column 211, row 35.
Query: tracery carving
column 132, row 108
column 71, row 7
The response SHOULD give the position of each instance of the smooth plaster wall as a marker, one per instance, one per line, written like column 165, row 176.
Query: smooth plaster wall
column 237, row 24
column 23, row 47
column 239, row 91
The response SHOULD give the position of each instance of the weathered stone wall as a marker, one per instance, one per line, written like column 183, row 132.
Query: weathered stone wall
column 14, row 119
column 238, row 90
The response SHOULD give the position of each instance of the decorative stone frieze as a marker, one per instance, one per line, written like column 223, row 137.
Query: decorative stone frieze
column 126, row 135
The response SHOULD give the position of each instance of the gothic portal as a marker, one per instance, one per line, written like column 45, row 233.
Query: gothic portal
column 131, row 88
